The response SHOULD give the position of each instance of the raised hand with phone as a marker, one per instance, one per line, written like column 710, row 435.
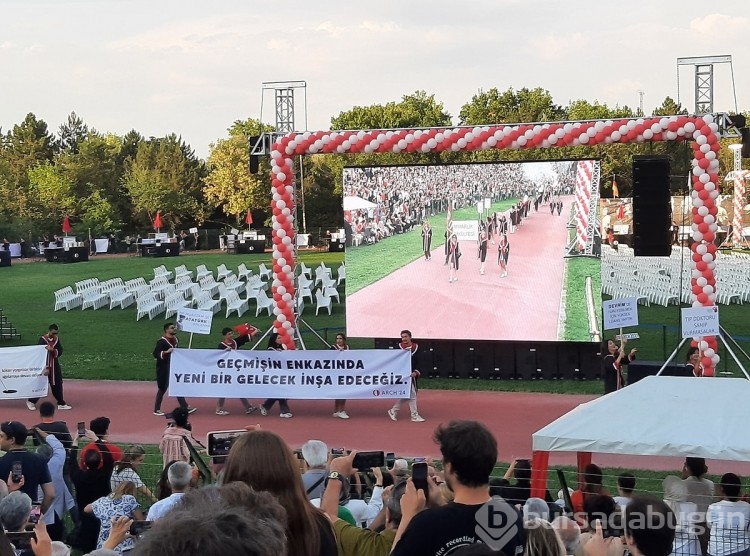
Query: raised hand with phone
column 342, row 468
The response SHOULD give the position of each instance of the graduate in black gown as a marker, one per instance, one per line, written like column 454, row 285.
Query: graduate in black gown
column 454, row 254
column 482, row 249
column 427, row 240
column 503, row 253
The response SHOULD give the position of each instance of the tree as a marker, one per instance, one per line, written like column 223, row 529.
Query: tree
column 165, row 176
column 72, row 133
column 415, row 110
column 670, row 108
column 229, row 185
column 52, row 193
column 523, row 106
column 98, row 214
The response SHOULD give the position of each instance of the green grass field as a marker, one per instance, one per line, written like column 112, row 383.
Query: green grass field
column 106, row 344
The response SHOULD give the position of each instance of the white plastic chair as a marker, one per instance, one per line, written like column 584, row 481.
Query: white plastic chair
column 322, row 301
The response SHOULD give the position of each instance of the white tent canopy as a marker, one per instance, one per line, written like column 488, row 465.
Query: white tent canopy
column 658, row 416
column 357, row 203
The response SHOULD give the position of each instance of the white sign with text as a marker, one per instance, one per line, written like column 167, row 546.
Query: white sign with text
column 698, row 322
column 620, row 313
column 466, row 230
column 193, row 320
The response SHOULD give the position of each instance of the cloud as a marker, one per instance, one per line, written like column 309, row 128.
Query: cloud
column 555, row 47
column 719, row 25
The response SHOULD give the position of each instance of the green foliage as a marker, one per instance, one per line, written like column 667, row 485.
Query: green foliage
column 415, row 110
column 524, row 105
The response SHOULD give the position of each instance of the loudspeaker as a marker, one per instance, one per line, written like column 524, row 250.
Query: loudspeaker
column 652, row 210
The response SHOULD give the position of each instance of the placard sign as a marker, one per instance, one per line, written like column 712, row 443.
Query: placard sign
column 193, row 320
column 620, row 313
column 698, row 322
column 193, row 230
column 466, row 230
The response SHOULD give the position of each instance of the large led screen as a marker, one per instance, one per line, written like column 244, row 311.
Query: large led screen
column 466, row 251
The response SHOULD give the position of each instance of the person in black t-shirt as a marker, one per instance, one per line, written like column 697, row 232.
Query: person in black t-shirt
column 469, row 456
column 34, row 469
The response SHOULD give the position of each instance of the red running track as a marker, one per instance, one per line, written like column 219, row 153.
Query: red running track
column 525, row 305
column 512, row 417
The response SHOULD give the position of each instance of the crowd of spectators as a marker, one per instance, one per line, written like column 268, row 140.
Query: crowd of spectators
column 407, row 195
column 269, row 500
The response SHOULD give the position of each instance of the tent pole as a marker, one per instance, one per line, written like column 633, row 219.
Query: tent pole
column 664, row 366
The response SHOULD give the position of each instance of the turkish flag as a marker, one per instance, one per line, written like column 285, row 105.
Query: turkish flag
column 66, row 225
column 615, row 190
column 157, row 221
column 621, row 212
column 249, row 218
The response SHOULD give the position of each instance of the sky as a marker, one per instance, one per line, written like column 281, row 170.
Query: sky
column 194, row 67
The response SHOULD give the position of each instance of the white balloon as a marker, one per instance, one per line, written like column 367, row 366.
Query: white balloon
column 431, row 143
column 461, row 143
column 655, row 128
column 709, row 352
column 491, row 141
column 704, row 178
column 696, row 303
column 287, row 297
column 715, row 359
column 281, row 290
column 281, row 232
column 701, row 140
column 709, row 218
column 287, row 325
column 286, row 240
column 708, row 118
column 616, row 136
column 286, row 269
column 521, row 141
column 701, row 281
column 583, row 138
column 703, row 211
column 707, row 257
column 671, row 135
column 648, row 134
column 701, row 249
column 697, row 236
column 708, row 290
column 689, row 127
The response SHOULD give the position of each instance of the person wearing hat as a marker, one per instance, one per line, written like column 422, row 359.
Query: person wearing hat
column 33, row 469
column 229, row 343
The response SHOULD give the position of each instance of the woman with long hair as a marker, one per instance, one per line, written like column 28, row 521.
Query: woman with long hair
column 614, row 359
column 454, row 254
column 172, row 445
column 121, row 503
column 263, row 461
column 482, row 249
column 127, row 470
column 340, row 405
column 274, row 344
column 503, row 253
column 542, row 539
column 693, row 364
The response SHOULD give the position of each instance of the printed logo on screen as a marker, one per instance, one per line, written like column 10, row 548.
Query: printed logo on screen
column 496, row 523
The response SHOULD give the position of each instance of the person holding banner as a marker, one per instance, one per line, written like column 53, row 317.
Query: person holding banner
column 612, row 364
column 407, row 344
column 341, row 345
column 693, row 365
column 454, row 254
column 230, row 343
column 163, row 354
column 427, row 240
column 52, row 369
column 274, row 344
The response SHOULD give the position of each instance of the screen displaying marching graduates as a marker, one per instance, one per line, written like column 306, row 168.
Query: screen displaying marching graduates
column 484, row 251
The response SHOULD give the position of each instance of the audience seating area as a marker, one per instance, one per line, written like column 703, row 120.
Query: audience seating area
column 666, row 280
column 169, row 291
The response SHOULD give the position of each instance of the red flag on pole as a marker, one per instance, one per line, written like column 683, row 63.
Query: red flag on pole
column 66, row 225
column 621, row 212
column 449, row 218
column 157, row 221
column 249, row 218
column 615, row 190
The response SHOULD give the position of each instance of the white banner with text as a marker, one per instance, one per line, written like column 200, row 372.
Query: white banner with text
column 296, row 374
column 22, row 372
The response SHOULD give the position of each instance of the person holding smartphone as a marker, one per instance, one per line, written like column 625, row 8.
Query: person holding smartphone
column 64, row 501
column 20, row 467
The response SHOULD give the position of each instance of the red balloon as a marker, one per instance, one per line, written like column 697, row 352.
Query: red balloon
column 707, row 274
column 673, row 126
column 703, row 298
column 706, row 361
column 697, row 258
column 708, row 371
column 277, row 269
column 703, row 228
column 697, row 290
column 712, row 248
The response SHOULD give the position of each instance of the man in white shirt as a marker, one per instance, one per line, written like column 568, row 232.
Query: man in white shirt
column 729, row 519
column 179, row 475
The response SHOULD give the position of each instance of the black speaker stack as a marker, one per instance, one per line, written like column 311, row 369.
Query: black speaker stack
column 652, row 209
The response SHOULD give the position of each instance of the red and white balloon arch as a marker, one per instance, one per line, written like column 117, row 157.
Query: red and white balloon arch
column 702, row 130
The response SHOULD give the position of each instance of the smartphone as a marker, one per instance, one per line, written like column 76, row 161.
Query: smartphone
column 218, row 443
column 419, row 476
column 36, row 513
column 337, row 451
column 390, row 460
column 16, row 472
column 419, row 460
column 81, row 429
column 137, row 528
column 21, row 539
column 367, row 460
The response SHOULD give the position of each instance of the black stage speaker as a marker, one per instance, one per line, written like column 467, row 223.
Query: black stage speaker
column 504, row 366
column 4, row 258
column 526, row 361
column 652, row 211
